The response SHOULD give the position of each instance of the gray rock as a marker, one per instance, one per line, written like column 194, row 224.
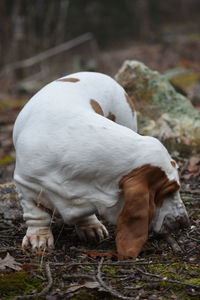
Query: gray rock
column 162, row 112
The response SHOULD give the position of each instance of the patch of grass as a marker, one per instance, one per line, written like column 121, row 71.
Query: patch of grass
column 18, row 283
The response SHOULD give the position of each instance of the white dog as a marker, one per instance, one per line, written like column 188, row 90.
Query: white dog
column 77, row 155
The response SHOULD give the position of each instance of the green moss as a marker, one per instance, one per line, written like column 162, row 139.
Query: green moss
column 109, row 269
column 196, row 214
column 176, row 271
column 89, row 268
column 169, row 271
column 11, row 103
column 185, row 199
column 6, row 159
column 195, row 281
column 185, row 80
column 18, row 283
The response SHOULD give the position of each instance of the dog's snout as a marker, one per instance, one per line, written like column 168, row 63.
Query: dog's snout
column 184, row 221
column 174, row 223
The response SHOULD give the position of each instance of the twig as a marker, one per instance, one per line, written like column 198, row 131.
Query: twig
column 5, row 249
column 114, row 263
column 165, row 279
column 50, row 281
column 137, row 287
column 106, row 287
column 173, row 243
column 80, row 276
column 44, row 291
column 191, row 238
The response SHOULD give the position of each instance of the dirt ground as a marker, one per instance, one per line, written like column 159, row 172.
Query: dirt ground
column 167, row 268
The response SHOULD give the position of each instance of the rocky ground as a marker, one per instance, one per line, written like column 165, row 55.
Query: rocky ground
column 167, row 268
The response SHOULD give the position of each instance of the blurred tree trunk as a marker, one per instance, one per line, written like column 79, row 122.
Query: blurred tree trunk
column 16, row 30
column 17, row 33
column 4, row 33
column 143, row 19
column 62, row 16
column 47, row 30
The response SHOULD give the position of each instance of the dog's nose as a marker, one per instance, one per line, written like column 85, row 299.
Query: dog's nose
column 183, row 221
column 173, row 223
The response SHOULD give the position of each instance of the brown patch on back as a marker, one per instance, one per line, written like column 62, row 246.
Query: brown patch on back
column 69, row 79
column 130, row 103
column 144, row 189
column 96, row 107
column 111, row 117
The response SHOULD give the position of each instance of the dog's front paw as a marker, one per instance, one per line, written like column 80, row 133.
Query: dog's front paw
column 92, row 232
column 38, row 238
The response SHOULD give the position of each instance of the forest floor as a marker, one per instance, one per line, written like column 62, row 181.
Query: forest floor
column 167, row 268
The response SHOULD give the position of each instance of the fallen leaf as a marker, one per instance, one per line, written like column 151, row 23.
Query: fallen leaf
column 28, row 267
column 192, row 245
column 193, row 167
column 193, row 164
column 9, row 262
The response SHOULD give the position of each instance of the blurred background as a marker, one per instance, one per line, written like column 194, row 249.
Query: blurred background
column 42, row 40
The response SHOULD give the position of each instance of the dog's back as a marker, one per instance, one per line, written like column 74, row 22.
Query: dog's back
column 85, row 90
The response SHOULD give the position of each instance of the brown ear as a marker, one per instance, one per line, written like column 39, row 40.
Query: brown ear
column 133, row 222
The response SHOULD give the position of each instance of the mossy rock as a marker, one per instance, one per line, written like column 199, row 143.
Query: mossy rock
column 162, row 112
column 183, row 80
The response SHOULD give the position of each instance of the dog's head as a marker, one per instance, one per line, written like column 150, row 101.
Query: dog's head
column 171, row 215
column 152, row 202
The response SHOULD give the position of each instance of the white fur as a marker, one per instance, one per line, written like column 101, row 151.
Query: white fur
column 70, row 159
